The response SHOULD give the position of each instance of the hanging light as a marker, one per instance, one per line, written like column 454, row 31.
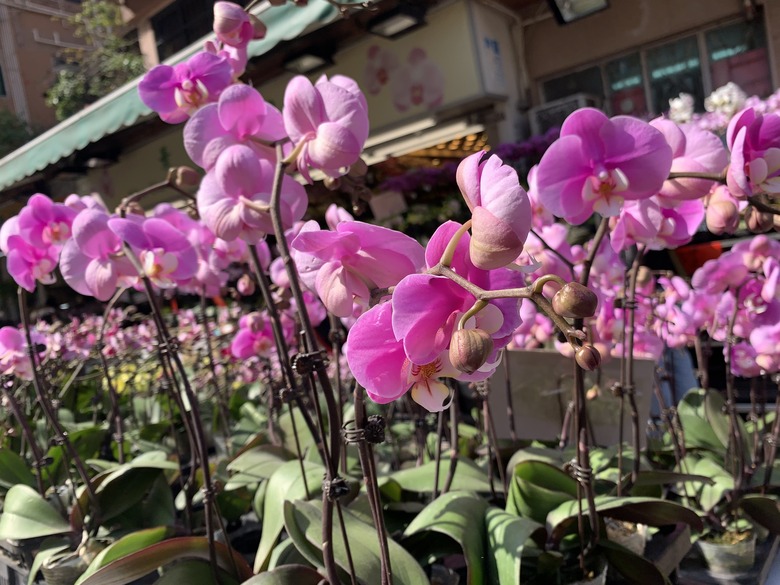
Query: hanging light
column 567, row 11
column 398, row 21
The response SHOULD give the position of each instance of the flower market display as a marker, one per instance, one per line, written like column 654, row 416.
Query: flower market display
column 256, row 397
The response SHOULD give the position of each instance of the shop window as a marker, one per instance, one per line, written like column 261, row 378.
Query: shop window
column 674, row 68
column 626, row 86
column 738, row 53
column 585, row 81
column 180, row 24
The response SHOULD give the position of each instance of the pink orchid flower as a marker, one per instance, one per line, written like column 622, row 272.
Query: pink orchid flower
column 379, row 364
column 92, row 263
column 166, row 256
column 744, row 359
column 695, row 151
column 176, row 92
column 254, row 338
column 344, row 265
column 427, row 308
column 715, row 276
column 14, row 359
column 28, row 264
column 241, row 116
column 598, row 162
column 234, row 196
column 327, row 123
column 44, row 223
column 766, row 343
column 657, row 227
column 501, row 211
column 754, row 142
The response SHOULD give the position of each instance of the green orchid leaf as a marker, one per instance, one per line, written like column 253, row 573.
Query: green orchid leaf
column 140, row 563
column 14, row 470
column 650, row 511
column 539, row 487
column 194, row 573
column 635, row 569
column 124, row 546
column 285, row 484
column 763, row 510
column 303, row 521
column 287, row 575
column 86, row 442
column 255, row 465
column 27, row 515
column 453, row 515
column 507, row 536
column 468, row 477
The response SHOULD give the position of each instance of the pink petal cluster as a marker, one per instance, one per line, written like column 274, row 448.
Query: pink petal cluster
column 176, row 92
column 32, row 240
column 234, row 196
column 93, row 262
column 14, row 359
column 694, row 151
column 241, row 116
column 346, row 264
column 327, row 122
column 754, row 141
column 598, row 163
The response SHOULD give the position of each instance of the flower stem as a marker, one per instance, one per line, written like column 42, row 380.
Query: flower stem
column 27, row 433
column 60, row 436
column 452, row 245
column 318, row 366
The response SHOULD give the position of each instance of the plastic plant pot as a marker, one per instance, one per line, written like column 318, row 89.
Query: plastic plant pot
column 727, row 558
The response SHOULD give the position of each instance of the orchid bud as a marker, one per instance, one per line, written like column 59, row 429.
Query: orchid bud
column 184, row 177
column 246, row 285
column 470, row 349
column 588, row 357
column 722, row 217
column 757, row 221
column 230, row 23
column 575, row 300
column 593, row 392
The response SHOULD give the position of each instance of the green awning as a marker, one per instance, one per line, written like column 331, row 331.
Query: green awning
column 123, row 107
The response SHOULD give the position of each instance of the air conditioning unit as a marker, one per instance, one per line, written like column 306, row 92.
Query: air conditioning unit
column 552, row 114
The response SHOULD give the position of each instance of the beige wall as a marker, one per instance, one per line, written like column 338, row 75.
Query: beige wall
column 37, row 39
column 37, row 59
column 140, row 167
column 551, row 48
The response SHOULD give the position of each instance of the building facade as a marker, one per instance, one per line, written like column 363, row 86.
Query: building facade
column 32, row 35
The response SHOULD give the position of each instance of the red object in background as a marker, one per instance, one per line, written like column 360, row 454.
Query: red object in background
column 693, row 256
column 749, row 70
column 174, row 305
